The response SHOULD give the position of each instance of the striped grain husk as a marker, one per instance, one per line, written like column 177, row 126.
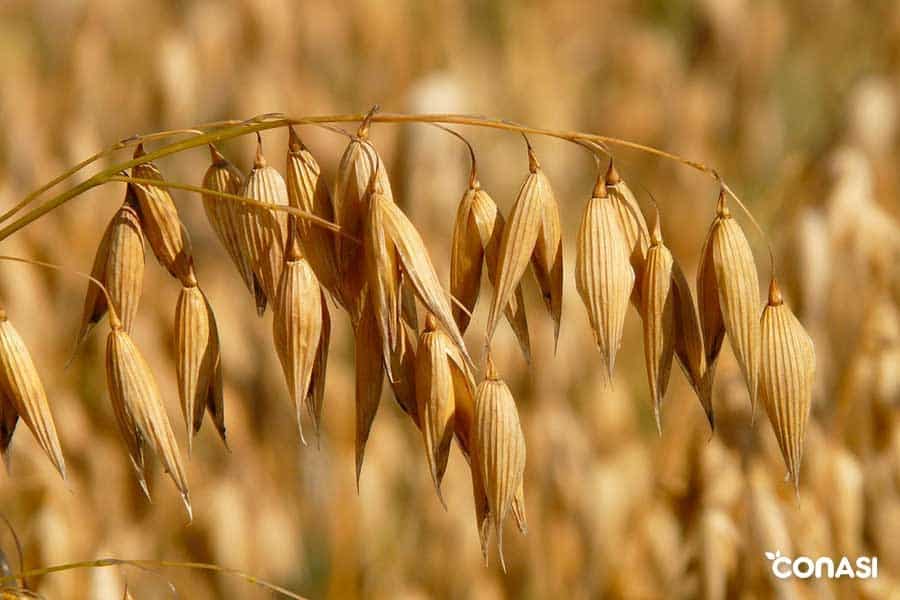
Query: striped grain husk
column 634, row 226
column 786, row 378
column 297, row 327
column 160, row 221
column 198, row 362
column 441, row 376
column 476, row 242
column 308, row 191
column 531, row 219
column 369, row 378
column 689, row 341
column 224, row 216
column 351, row 201
column 119, row 266
column 603, row 273
column 403, row 365
column 418, row 269
column 728, row 298
column 139, row 408
column 264, row 231
column 23, row 395
column 499, row 448
column 658, row 316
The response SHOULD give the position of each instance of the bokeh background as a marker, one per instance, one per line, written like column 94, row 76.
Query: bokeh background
column 794, row 102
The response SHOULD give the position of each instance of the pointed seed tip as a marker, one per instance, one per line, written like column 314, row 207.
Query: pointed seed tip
column 612, row 175
column 722, row 209
column 600, row 187
column 775, row 297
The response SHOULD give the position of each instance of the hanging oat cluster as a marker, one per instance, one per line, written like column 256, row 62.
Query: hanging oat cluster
column 302, row 247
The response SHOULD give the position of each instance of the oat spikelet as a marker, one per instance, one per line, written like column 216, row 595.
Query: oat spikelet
column 547, row 259
column 476, row 242
column 160, row 221
column 403, row 365
column 500, row 447
column 369, row 379
column 316, row 400
column 786, row 378
column 198, row 361
column 119, row 265
column 689, row 341
column 418, row 268
column 728, row 291
column 8, row 420
column 658, row 316
column 134, row 390
column 603, row 273
column 224, row 215
column 441, row 375
column 382, row 273
column 519, row 239
column 297, row 326
column 307, row 191
column 634, row 227
column 263, row 231
column 351, row 201
column 23, row 393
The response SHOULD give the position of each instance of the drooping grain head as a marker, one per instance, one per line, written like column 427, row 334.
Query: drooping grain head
column 689, row 341
column 441, row 377
column 603, row 273
column 135, row 394
column 297, row 330
column 197, row 361
column 786, row 378
column 634, row 226
column 119, row 265
column 224, row 215
column 728, row 291
column 518, row 241
column 307, row 191
column 24, row 395
column 403, row 366
column 418, row 269
column 264, row 231
column 369, row 378
column 382, row 277
column 8, row 420
column 476, row 241
column 160, row 221
column 547, row 258
column 316, row 401
column 500, row 448
column 658, row 317
column 351, row 198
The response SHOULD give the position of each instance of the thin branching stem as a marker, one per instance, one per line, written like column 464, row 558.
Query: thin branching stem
column 153, row 564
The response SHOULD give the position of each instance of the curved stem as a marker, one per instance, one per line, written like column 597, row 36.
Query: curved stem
column 153, row 564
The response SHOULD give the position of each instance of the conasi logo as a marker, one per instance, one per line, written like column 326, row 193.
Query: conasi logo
column 804, row 567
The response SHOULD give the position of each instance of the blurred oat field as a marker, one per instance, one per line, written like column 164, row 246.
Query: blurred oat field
column 795, row 103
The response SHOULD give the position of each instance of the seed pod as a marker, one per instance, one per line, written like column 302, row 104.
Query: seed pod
column 351, row 191
column 307, row 191
column 119, row 265
column 263, row 231
column 134, row 391
column 198, row 362
column 519, row 239
column 23, row 392
column 603, row 273
column 634, row 227
column 297, row 326
column 689, row 341
column 786, row 377
column 382, row 272
column 160, row 221
column 440, row 376
column 369, row 379
column 547, row 258
column 224, row 216
column 728, row 296
column 403, row 365
column 418, row 268
column 316, row 403
column 476, row 240
column 500, row 448
column 658, row 316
